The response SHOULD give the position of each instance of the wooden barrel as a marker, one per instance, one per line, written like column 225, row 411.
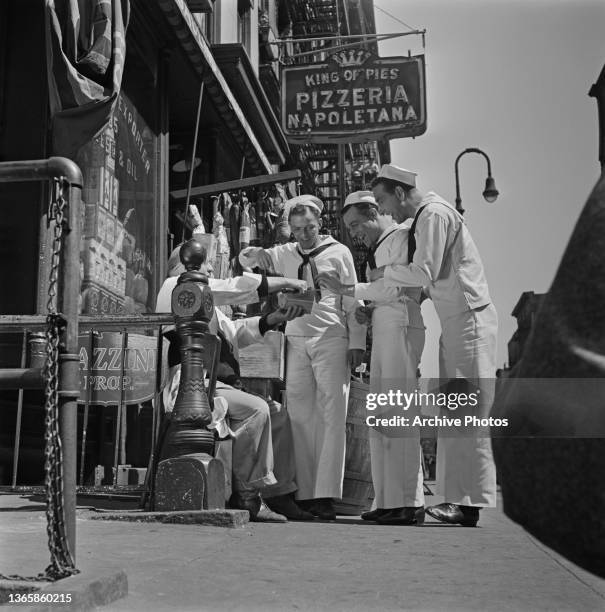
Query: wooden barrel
column 358, row 493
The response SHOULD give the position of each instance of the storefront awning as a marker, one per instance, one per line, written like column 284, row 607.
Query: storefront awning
column 239, row 73
column 199, row 54
column 255, row 181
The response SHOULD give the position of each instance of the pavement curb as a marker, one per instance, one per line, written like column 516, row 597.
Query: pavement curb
column 214, row 518
column 86, row 592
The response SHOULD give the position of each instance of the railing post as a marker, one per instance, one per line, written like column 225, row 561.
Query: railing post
column 193, row 307
column 68, row 364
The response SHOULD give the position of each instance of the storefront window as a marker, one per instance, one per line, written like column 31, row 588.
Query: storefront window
column 120, row 222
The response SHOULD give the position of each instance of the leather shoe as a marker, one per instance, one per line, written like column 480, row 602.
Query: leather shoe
column 259, row 513
column 454, row 514
column 403, row 516
column 373, row 515
column 284, row 504
column 265, row 515
column 322, row 508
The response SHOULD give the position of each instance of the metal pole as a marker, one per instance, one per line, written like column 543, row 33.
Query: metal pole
column 148, row 486
column 19, row 413
column 366, row 37
column 118, row 438
column 69, row 364
column 342, row 187
column 193, row 151
column 91, row 346
column 458, row 198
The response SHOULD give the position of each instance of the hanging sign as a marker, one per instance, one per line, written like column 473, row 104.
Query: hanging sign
column 354, row 96
column 108, row 373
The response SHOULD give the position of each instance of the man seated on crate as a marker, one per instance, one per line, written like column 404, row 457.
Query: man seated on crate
column 263, row 463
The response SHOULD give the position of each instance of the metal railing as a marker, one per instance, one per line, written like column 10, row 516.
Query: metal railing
column 92, row 326
column 60, row 374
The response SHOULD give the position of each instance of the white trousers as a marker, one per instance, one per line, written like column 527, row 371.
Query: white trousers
column 317, row 389
column 396, row 458
column 466, row 473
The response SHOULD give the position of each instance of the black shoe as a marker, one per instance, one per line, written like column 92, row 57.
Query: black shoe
column 373, row 515
column 453, row 514
column 307, row 505
column 323, row 509
column 284, row 504
column 403, row 516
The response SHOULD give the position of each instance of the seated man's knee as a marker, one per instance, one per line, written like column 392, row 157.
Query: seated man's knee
column 259, row 405
column 244, row 405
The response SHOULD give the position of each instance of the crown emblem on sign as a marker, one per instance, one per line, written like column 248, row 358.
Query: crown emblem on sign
column 350, row 57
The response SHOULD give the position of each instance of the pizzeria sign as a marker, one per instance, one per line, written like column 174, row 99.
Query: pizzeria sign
column 353, row 96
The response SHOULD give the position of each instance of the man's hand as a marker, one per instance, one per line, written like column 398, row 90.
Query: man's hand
column 376, row 274
column 355, row 357
column 263, row 260
column 294, row 283
column 331, row 283
column 363, row 314
column 279, row 283
column 279, row 316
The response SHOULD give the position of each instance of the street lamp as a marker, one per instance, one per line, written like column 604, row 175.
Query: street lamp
column 490, row 193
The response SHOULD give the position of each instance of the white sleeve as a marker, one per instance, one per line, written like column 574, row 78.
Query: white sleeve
column 431, row 240
column 230, row 291
column 247, row 331
column 164, row 301
column 249, row 257
column 236, row 290
column 357, row 331
column 376, row 291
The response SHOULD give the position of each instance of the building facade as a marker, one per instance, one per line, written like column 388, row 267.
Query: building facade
column 137, row 92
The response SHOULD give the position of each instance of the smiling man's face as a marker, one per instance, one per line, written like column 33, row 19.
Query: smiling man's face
column 395, row 203
column 361, row 226
column 305, row 229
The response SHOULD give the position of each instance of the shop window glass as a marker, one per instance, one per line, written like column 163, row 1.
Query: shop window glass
column 120, row 208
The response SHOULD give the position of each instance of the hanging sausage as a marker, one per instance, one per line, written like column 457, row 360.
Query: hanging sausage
column 244, row 223
column 221, row 265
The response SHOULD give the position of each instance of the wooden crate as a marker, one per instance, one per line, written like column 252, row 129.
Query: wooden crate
column 266, row 359
column 357, row 489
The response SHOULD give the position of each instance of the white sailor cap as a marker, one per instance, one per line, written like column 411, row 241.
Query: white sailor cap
column 399, row 175
column 306, row 200
column 359, row 197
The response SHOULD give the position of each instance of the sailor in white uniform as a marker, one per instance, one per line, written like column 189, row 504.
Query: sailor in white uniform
column 444, row 259
column 397, row 344
column 322, row 347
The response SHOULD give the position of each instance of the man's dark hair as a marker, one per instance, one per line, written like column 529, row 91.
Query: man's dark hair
column 390, row 184
column 363, row 208
column 302, row 209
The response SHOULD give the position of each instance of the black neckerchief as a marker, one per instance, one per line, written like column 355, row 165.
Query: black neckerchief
column 307, row 259
column 412, row 235
column 371, row 260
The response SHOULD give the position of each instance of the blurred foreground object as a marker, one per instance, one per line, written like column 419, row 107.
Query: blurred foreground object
column 550, row 459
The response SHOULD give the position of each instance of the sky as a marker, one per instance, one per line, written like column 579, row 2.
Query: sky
column 510, row 77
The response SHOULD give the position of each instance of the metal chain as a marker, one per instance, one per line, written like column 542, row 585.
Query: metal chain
column 61, row 560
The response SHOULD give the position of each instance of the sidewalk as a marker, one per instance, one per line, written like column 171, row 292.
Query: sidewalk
column 346, row 565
